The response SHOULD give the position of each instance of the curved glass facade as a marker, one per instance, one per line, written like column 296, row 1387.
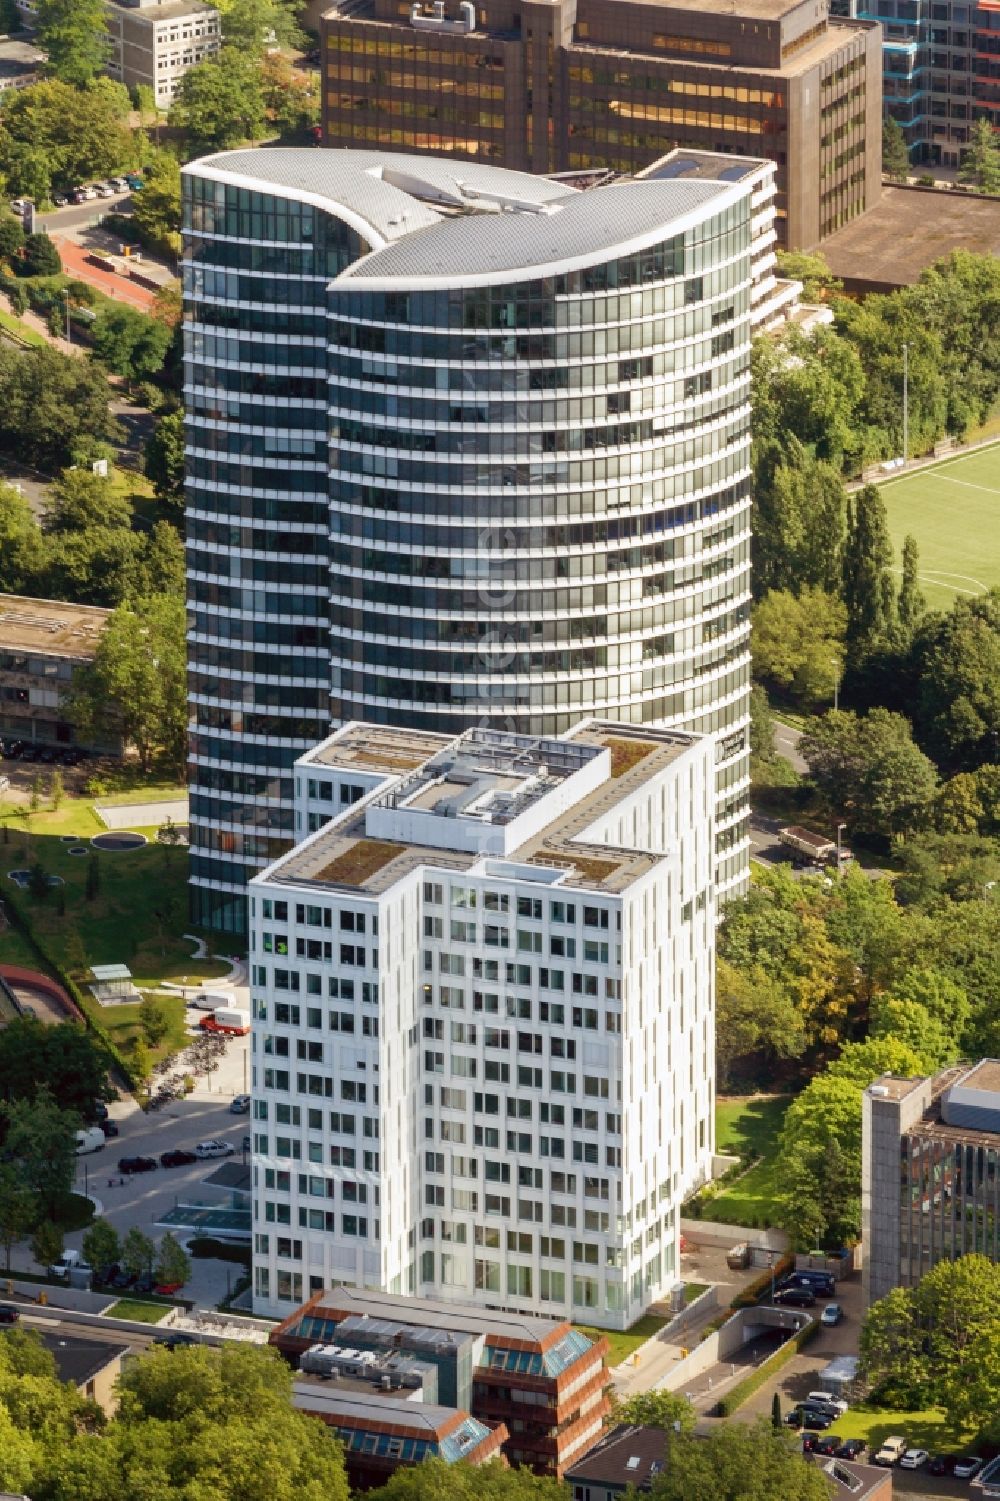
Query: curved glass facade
column 510, row 504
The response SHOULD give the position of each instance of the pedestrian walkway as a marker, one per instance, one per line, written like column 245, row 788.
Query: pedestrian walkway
column 76, row 263
column 142, row 815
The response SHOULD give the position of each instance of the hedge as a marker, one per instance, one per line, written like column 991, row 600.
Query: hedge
column 87, row 1005
column 728, row 1404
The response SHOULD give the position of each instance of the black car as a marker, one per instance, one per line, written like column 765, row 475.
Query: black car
column 809, row 1442
column 107, row 1274
column 136, row 1164
column 110, row 1128
column 795, row 1297
column 177, row 1158
column 123, row 1278
column 809, row 1417
column 171, row 1341
column 14, row 750
column 828, row 1445
column 99, row 1110
column 9, row 1314
column 941, row 1464
column 818, row 1281
column 851, row 1448
column 144, row 1283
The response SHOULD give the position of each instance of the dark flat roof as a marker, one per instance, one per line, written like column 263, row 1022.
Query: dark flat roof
column 80, row 1360
column 627, row 1456
column 907, row 231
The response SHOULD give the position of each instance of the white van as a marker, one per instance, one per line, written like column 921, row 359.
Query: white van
column 209, row 1000
column 91, row 1139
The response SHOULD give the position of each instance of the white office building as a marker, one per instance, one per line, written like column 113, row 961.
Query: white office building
column 464, row 446
column 483, row 1035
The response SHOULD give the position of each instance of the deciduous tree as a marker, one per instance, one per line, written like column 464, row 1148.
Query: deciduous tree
column 172, row 1263
column 868, row 768
column 657, row 1409
column 220, row 102
column 102, row 1244
column 981, row 163
column 738, row 1462
column 798, row 643
column 40, row 1140
column 74, row 34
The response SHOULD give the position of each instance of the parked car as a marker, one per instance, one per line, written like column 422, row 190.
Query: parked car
column 214, row 1147
column 123, row 1278
column 119, row 184
column 809, row 1442
column 167, row 1289
column 104, row 190
column 107, row 1274
column 832, row 1314
column 913, row 1459
column 110, row 1128
column 171, row 1341
column 809, row 1417
column 62, row 1267
column 99, row 1110
column 942, row 1464
column 240, row 1105
column 967, row 1466
column 247, row 1143
column 145, row 1282
column 851, row 1448
column 19, row 205
column 795, row 1297
column 826, row 1399
column 134, row 182
column 820, row 1281
column 892, row 1450
column 136, row 1164
column 60, row 200
column 9, row 1314
column 828, row 1445
column 177, row 1157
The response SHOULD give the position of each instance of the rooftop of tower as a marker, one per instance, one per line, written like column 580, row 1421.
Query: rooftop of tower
column 435, row 221
column 511, row 800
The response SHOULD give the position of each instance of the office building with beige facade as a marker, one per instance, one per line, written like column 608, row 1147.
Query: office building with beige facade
column 930, row 1164
column 578, row 85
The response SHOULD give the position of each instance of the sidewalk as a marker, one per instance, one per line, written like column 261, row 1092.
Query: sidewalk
column 75, row 263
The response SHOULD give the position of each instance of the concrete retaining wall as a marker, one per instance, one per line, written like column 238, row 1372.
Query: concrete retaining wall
column 15, row 975
column 722, row 1345
column 72, row 1298
column 711, row 1233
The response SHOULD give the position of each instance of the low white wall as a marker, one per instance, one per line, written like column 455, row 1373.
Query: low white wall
column 711, row 1233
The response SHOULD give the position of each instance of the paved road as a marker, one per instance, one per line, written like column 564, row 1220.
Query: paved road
column 147, row 1196
column 786, row 743
column 81, row 216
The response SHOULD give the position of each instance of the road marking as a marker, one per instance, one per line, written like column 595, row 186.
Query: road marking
column 969, row 484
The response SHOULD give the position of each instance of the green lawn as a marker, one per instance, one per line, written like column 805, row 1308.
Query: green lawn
column 748, row 1126
column 20, row 331
column 952, row 510
column 923, row 1430
column 624, row 1342
column 138, row 916
column 141, row 1313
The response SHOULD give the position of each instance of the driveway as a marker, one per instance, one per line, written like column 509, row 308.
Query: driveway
column 145, row 1197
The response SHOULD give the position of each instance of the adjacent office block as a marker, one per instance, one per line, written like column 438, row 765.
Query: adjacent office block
column 940, row 70
column 930, row 1187
column 483, row 1048
column 537, row 1386
column 463, row 446
column 613, row 84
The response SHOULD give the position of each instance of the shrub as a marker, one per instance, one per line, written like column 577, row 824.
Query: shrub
column 738, row 1394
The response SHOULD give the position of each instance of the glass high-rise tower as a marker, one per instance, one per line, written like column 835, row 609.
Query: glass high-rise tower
column 465, row 446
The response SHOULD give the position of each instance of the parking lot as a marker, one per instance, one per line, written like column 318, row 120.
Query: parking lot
column 145, row 1197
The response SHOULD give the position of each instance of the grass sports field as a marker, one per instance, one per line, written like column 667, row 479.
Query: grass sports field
column 953, row 510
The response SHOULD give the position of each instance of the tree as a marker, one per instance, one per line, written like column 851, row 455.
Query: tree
column 754, row 1012
column 130, row 342
column 436, row 1480
column 74, row 34
column 39, row 257
column 80, row 500
column 136, row 685
column 869, row 593
column 138, row 1252
column 47, row 1243
column 172, row 1264
column 20, row 543
column 18, row 1210
column 958, row 809
column 657, row 1409
column 141, row 1062
column 957, row 662
column 11, row 235
column 738, row 1462
column 53, row 131
column 868, row 768
column 812, row 269
column 220, row 102
column 153, row 1020
column 41, row 1141
column 102, row 1244
column 776, row 1423
column 157, row 209
column 291, row 97
column 54, row 406
column 895, row 152
column 253, row 26
column 761, row 725
column 164, row 460
column 67, row 1060
column 981, row 163
column 57, row 789
column 798, row 642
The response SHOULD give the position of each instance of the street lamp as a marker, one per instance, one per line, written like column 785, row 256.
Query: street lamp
column 906, row 402
column 840, row 829
column 836, row 682
column 69, row 326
